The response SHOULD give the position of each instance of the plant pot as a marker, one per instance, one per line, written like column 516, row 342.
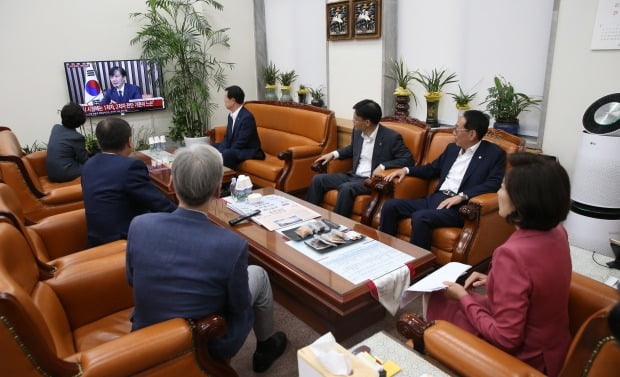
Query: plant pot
column 432, row 108
column 302, row 97
column 318, row 102
column 510, row 127
column 402, row 105
column 189, row 141
column 286, row 94
column 270, row 93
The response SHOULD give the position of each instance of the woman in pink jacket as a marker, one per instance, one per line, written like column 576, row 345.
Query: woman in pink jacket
column 525, row 309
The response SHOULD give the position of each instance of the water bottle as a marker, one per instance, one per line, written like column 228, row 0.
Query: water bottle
column 231, row 188
column 151, row 144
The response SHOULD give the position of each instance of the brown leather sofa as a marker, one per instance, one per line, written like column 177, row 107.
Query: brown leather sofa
column 27, row 175
column 292, row 137
column 58, row 239
column 78, row 322
column 484, row 229
column 414, row 133
column 593, row 351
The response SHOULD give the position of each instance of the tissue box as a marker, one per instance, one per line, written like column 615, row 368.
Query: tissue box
column 309, row 366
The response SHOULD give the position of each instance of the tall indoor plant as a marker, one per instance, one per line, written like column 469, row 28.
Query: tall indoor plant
column 177, row 35
column 433, row 82
column 505, row 105
column 402, row 76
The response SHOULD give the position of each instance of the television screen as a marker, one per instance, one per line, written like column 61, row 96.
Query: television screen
column 115, row 86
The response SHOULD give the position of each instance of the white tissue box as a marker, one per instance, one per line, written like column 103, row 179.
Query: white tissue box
column 309, row 366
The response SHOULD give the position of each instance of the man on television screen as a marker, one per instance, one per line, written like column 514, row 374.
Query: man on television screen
column 120, row 91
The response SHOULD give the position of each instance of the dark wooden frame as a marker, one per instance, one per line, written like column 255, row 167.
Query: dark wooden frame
column 356, row 8
column 330, row 8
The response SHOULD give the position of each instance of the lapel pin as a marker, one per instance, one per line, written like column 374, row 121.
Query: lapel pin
column 479, row 157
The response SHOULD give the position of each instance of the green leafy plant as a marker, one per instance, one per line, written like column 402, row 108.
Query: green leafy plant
column 505, row 104
column 34, row 147
column 140, row 137
column 177, row 35
column 287, row 78
column 271, row 74
column 91, row 144
column 434, row 81
column 463, row 98
column 316, row 93
column 401, row 75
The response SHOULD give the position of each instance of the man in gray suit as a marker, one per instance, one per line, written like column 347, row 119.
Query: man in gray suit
column 373, row 148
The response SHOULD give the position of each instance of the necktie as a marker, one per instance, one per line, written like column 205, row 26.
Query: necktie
column 120, row 94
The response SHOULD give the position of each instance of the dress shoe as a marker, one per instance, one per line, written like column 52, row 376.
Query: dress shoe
column 268, row 351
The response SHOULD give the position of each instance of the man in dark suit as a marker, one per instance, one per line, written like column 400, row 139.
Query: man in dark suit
column 120, row 91
column 468, row 167
column 373, row 148
column 182, row 265
column 241, row 141
column 115, row 187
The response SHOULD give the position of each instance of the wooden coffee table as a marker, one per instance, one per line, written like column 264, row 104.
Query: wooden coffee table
column 162, row 178
column 321, row 298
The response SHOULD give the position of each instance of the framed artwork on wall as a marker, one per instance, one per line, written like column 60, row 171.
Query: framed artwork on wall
column 366, row 19
column 338, row 17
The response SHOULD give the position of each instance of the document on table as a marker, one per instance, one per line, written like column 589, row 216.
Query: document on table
column 434, row 282
column 361, row 261
column 276, row 211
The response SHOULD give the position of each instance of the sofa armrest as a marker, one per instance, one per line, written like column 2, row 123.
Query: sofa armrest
column 61, row 234
column 63, row 195
column 37, row 162
column 217, row 134
column 461, row 351
column 93, row 289
column 334, row 166
column 301, row 151
column 89, row 254
column 488, row 202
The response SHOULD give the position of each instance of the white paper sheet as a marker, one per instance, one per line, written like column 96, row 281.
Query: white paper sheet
column 434, row 282
column 276, row 211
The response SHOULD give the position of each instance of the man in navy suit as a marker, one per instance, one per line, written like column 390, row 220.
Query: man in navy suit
column 182, row 265
column 120, row 91
column 468, row 167
column 115, row 187
column 373, row 148
column 241, row 141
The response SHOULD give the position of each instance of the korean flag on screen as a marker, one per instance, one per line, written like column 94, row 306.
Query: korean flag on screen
column 92, row 90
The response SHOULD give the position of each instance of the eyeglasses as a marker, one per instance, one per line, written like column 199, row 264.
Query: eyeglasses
column 459, row 129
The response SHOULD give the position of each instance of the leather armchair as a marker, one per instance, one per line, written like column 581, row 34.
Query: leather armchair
column 414, row 133
column 27, row 175
column 58, row 239
column 292, row 137
column 593, row 352
column 77, row 322
column 483, row 230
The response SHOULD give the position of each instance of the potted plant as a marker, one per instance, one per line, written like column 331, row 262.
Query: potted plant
column 317, row 96
column 433, row 83
column 463, row 98
column 402, row 76
column 177, row 35
column 505, row 105
column 302, row 93
column 270, row 75
column 286, row 79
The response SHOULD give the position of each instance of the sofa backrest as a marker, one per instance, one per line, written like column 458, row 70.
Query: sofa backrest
column 587, row 296
column 281, row 125
column 12, row 153
column 413, row 131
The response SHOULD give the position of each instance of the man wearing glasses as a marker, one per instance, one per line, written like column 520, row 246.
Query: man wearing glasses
column 468, row 167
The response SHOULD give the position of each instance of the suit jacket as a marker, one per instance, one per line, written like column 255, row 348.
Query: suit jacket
column 129, row 92
column 66, row 154
column 525, row 312
column 115, row 190
column 389, row 150
column 483, row 175
column 243, row 138
column 180, row 264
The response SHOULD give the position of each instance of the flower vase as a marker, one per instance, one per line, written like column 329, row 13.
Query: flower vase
column 270, row 93
column 403, row 96
column 302, row 97
column 432, row 108
column 318, row 102
column 286, row 93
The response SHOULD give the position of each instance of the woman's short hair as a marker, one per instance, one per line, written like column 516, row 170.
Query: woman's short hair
column 197, row 173
column 72, row 115
column 539, row 189
column 113, row 134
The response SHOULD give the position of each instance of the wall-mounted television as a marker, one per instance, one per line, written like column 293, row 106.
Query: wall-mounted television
column 115, row 86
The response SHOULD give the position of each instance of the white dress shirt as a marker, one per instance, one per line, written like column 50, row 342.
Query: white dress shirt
column 234, row 117
column 457, row 171
column 364, row 168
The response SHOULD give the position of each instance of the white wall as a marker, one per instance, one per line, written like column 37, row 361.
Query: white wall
column 579, row 77
column 36, row 37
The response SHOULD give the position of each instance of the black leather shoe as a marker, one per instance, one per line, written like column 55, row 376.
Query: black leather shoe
column 274, row 348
